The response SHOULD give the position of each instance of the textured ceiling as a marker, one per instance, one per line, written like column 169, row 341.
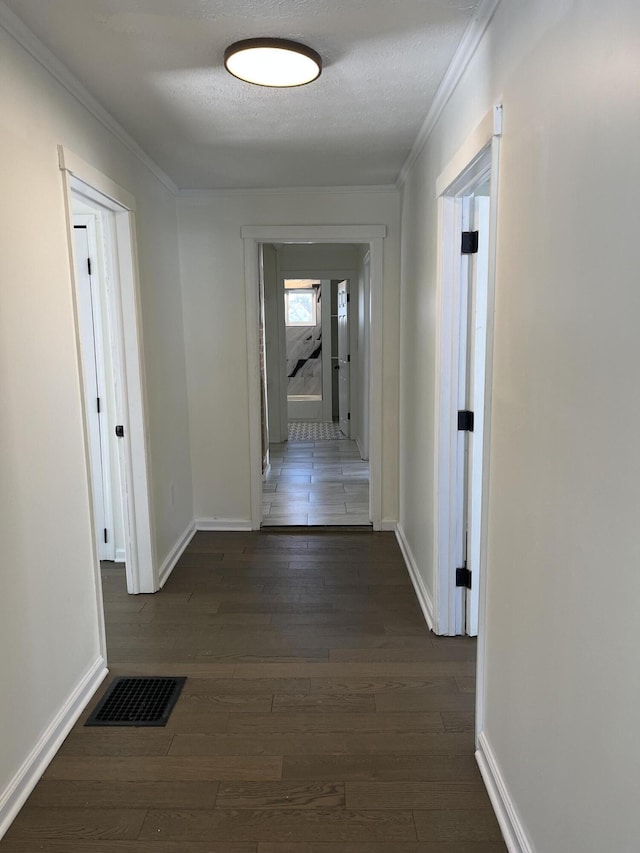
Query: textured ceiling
column 157, row 66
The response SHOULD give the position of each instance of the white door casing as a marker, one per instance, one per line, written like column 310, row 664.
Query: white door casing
column 469, row 170
column 479, row 212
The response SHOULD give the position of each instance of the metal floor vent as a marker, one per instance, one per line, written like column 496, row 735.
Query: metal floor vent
column 137, row 702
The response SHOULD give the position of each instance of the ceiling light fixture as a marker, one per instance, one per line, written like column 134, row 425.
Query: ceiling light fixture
column 273, row 62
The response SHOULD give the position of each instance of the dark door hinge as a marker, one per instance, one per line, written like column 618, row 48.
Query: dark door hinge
column 89, row 265
column 349, row 416
column 463, row 577
column 98, row 404
column 120, row 431
column 105, row 536
column 348, row 297
column 349, row 358
column 465, row 421
column 469, row 243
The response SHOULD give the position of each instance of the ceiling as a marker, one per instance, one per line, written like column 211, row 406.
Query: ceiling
column 157, row 67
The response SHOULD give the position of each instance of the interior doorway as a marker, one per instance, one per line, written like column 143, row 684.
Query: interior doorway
column 371, row 238
column 316, row 470
column 102, row 252
column 467, row 211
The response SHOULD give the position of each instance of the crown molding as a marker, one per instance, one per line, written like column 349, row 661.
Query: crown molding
column 463, row 55
column 10, row 22
column 240, row 191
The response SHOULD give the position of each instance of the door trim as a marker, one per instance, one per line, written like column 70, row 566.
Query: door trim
column 253, row 236
column 82, row 178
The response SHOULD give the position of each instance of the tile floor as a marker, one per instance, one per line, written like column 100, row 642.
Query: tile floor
column 316, row 483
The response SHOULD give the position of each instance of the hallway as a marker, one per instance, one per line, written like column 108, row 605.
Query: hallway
column 319, row 715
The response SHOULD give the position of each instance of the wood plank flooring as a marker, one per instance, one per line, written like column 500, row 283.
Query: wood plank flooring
column 315, row 483
column 319, row 714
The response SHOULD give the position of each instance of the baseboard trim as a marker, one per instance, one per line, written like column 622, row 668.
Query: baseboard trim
column 15, row 794
column 514, row 835
column 389, row 524
column 424, row 599
column 222, row 524
column 169, row 563
column 120, row 555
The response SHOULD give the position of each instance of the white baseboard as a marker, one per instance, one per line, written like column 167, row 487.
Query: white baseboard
column 223, row 524
column 514, row 835
column 169, row 563
column 15, row 794
column 120, row 555
column 389, row 524
column 424, row 599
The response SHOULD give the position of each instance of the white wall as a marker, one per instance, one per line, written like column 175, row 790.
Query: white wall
column 48, row 612
column 212, row 263
column 563, row 684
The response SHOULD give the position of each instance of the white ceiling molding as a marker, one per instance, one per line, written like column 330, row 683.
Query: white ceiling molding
column 456, row 69
column 241, row 191
column 26, row 39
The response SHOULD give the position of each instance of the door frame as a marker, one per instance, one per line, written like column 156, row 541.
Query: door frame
column 80, row 178
column 480, row 154
column 253, row 237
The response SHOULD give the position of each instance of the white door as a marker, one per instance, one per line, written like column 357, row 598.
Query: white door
column 92, row 352
column 473, row 349
column 343, row 358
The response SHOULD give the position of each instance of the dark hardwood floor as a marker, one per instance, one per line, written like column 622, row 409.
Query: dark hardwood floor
column 319, row 714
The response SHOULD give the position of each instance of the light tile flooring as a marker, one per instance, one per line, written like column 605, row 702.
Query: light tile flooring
column 316, row 483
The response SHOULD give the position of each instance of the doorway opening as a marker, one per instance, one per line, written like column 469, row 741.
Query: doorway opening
column 371, row 238
column 467, row 209
column 314, row 304
column 104, row 271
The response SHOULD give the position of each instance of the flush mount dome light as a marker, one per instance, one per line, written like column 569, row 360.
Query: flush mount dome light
column 272, row 62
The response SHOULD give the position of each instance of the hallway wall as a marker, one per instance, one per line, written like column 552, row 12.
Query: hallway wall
column 48, row 607
column 212, row 263
column 562, row 687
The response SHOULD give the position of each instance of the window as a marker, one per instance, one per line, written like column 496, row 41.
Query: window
column 300, row 307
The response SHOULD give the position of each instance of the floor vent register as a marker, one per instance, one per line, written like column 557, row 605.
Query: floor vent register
column 137, row 702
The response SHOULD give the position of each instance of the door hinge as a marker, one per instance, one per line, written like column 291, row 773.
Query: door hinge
column 463, row 577
column 348, row 297
column 98, row 404
column 120, row 431
column 469, row 242
column 105, row 536
column 465, row 421
column 89, row 265
column 349, row 416
column 349, row 358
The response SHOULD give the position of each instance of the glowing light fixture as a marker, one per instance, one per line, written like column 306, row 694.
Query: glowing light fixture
column 273, row 62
